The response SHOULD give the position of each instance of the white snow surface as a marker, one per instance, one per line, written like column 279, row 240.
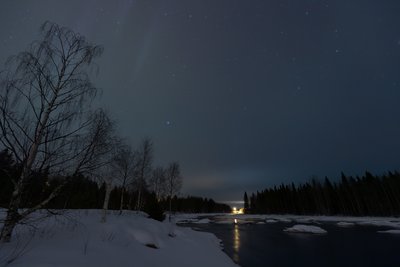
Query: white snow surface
column 301, row 228
column 203, row 221
column 392, row 222
column 193, row 217
column 77, row 238
column 392, row 231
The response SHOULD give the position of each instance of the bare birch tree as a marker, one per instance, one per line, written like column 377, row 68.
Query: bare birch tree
column 44, row 98
column 158, row 182
column 174, row 183
column 105, row 146
column 124, row 165
column 143, row 172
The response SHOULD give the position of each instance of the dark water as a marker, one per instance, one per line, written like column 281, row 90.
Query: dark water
column 254, row 245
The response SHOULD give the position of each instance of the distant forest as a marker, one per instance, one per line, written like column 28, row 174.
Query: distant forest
column 83, row 193
column 369, row 195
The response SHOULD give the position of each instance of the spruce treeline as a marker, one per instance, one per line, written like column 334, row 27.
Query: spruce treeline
column 368, row 195
column 193, row 204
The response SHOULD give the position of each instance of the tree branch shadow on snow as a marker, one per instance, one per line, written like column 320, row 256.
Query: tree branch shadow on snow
column 20, row 248
column 42, row 224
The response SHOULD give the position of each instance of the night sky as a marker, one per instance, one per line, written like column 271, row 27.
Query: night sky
column 244, row 94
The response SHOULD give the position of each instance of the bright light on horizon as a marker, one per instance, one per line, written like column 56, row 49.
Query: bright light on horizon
column 237, row 211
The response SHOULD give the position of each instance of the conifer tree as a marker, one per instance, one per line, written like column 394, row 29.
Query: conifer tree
column 246, row 202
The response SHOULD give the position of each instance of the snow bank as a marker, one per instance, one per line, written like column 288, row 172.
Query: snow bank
column 301, row 228
column 342, row 221
column 375, row 222
column 194, row 217
column 393, row 231
column 345, row 224
column 78, row 239
column 203, row 221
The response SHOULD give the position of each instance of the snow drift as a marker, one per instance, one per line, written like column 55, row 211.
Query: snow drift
column 77, row 238
column 301, row 228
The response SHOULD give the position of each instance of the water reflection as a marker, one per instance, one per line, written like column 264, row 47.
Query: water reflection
column 236, row 243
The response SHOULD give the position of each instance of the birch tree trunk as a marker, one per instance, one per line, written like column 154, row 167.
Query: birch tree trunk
column 106, row 202
column 121, row 204
column 13, row 217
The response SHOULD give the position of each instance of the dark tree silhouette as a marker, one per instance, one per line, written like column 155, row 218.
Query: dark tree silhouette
column 358, row 196
column 246, row 202
column 173, row 183
column 124, row 165
column 44, row 99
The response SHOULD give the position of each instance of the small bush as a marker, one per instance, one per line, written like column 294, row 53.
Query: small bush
column 153, row 208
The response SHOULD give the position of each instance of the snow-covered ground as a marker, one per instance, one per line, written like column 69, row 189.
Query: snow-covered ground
column 393, row 222
column 394, row 231
column 301, row 228
column 77, row 238
column 307, row 223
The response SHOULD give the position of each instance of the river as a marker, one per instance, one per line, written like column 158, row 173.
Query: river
column 253, row 245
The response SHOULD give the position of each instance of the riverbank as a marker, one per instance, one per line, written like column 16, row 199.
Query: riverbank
column 77, row 238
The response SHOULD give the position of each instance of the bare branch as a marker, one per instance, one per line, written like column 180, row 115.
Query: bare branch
column 44, row 113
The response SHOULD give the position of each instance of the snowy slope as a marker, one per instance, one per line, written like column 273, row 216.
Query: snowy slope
column 78, row 239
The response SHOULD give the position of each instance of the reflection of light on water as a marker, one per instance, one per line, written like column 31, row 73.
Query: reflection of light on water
column 236, row 243
column 235, row 221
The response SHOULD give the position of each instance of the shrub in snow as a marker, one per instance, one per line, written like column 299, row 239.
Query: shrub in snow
column 153, row 208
